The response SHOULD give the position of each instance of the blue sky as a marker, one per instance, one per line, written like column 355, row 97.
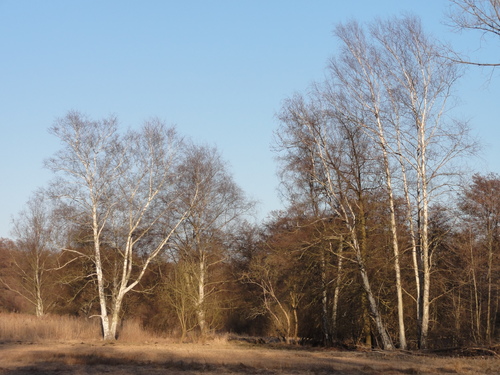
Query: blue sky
column 217, row 69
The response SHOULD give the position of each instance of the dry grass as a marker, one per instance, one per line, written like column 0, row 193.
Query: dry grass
column 132, row 331
column 72, row 346
column 229, row 358
column 29, row 328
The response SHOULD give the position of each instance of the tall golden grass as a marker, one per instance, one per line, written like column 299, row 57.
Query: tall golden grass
column 29, row 328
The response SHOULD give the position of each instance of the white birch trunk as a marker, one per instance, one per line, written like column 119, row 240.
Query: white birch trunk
column 324, row 299
column 106, row 329
column 200, row 303
column 424, row 235
column 374, row 311
column 394, row 232
column 336, row 292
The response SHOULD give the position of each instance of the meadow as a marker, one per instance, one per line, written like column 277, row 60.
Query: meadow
column 66, row 345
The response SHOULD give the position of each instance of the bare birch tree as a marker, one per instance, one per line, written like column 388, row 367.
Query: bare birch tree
column 121, row 190
column 341, row 164
column 399, row 75
column 362, row 100
column 215, row 203
column 429, row 142
column 307, row 196
column 390, row 82
column 33, row 257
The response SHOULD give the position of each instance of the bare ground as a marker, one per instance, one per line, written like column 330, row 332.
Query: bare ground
column 225, row 358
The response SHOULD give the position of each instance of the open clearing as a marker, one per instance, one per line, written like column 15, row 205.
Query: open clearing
column 224, row 358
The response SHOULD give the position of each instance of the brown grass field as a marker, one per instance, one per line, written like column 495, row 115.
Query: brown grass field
column 75, row 349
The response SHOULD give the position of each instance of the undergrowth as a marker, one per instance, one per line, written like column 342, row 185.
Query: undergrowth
column 29, row 328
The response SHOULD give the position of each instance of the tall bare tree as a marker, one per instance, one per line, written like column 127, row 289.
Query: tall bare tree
column 307, row 196
column 33, row 257
column 363, row 100
column 215, row 203
column 429, row 142
column 121, row 190
column 408, row 97
column 342, row 165
column 388, row 88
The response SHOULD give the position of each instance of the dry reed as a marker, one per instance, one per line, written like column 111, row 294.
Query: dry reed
column 29, row 328
column 132, row 331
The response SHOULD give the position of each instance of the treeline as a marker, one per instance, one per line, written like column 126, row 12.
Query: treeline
column 293, row 277
column 383, row 241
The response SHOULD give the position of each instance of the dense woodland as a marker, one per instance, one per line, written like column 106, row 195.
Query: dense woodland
column 386, row 239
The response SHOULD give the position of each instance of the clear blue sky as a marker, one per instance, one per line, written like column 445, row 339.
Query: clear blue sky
column 217, row 69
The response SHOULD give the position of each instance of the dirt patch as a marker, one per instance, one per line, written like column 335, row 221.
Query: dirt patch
column 161, row 358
